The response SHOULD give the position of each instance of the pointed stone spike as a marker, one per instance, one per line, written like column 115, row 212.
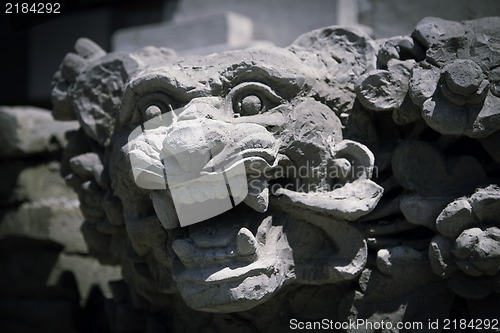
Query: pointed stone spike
column 263, row 229
column 246, row 242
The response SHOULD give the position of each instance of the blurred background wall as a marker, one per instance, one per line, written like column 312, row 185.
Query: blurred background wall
column 31, row 51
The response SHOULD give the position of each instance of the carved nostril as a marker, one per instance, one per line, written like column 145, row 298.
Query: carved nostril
column 210, row 108
column 193, row 143
column 188, row 146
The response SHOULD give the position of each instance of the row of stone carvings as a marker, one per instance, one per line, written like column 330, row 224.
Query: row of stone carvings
column 451, row 88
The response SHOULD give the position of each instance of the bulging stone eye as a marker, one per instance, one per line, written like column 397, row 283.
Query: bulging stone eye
column 152, row 105
column 250, row 105
column 151, row 112
column 251, row 98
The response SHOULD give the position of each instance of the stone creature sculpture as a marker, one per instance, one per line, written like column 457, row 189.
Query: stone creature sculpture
column 251, row 181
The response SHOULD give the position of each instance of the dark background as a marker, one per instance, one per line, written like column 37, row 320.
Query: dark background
column 33, row 45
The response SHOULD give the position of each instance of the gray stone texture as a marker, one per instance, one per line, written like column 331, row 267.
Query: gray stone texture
column 373, row 164
column 468, row 243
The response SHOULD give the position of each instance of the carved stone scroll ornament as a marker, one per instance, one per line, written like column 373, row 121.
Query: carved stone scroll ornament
column 234, row 187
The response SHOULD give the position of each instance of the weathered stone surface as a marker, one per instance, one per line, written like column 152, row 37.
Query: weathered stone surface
column 474, row 120
column 423, row 210
column 392, row 299
column 494, row 79
column 462, row 103
column 470, row 246
column 434, row 30
column 379, row 90
column 27, row 181
column 400, row 48
column 353, row 48
column 74, row 63
column 400, row 261
column 423, row 83
column 407, row 113
column 486, row 204
column 232, row 185
column 463, row 77
column 440, row 253
column 30, row 130
column 362, row 198
column 384, row 90
column 420, row 167
column 455, row 218
column 478, row 251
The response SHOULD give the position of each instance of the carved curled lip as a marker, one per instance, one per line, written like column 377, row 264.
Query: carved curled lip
column 264, row 157
column 223, row 274
column 246, row 162
column 190, row 255
column 214, row 260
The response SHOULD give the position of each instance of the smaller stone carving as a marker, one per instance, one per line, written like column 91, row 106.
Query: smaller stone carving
column 456, row 80
column 467, row 249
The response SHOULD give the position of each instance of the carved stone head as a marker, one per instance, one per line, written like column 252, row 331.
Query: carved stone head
column 223, row 177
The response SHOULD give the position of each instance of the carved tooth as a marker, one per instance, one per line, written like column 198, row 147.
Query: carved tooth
column 258, row 195
column 263, row 229
column 246, row 243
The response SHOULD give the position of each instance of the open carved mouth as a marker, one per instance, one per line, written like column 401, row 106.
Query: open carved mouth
column 239, row 255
